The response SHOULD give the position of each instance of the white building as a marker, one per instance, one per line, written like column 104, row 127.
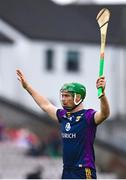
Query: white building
column 48, row 64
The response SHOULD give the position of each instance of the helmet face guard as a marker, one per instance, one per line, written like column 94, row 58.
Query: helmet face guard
column 74, row 89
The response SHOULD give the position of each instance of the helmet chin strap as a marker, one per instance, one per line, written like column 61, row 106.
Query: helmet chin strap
column 76, row 104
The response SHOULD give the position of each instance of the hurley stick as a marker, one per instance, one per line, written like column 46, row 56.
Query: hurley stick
column 102, row 19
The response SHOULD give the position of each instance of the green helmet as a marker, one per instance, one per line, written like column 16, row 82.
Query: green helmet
column 75, row 88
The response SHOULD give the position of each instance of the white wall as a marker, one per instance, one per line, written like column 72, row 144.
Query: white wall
column 29, row 57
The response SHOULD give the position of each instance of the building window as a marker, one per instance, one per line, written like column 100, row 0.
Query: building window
column 72, row 63
column 49, row 60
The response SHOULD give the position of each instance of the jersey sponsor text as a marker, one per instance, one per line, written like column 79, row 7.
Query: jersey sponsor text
column 68, row 135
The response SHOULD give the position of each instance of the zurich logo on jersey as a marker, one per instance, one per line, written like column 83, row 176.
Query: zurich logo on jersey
column 67, row 127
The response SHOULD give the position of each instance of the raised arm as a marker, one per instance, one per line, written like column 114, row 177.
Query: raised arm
column 43, row 102
column 104, row 112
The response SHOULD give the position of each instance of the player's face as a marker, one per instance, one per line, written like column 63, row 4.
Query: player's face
column 67, row 99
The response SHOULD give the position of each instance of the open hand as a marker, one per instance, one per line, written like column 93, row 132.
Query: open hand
column 21, row 78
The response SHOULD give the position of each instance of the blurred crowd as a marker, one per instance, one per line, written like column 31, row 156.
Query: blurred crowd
column 34, row 145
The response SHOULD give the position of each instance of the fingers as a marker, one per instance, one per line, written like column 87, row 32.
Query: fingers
column 101, row 82
column 101, row 78
column 19, row 73
column 20, row 77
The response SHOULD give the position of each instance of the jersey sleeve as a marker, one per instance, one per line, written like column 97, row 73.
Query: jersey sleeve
column 90, row 117
column 60, row 113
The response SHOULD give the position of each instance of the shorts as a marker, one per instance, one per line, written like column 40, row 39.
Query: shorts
column 79, row 173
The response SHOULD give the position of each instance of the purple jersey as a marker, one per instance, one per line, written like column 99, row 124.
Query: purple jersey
column 78, row 133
